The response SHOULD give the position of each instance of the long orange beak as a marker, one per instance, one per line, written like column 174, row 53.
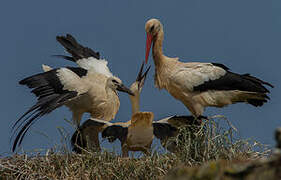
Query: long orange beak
column 148, row 46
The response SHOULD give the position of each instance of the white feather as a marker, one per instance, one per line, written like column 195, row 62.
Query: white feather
column 96, row 65
column 46, row 68
column 71, row 81
column 165, row 120
column 191, row 76
column 101, row 121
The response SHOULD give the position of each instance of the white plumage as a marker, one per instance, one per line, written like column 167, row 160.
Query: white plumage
column 72, row 82
column 195, row 74
column 96, row 65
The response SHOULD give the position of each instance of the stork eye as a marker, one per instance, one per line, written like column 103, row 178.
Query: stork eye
column 114, row 81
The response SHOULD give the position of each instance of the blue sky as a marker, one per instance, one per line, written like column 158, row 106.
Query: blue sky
column 243, row 35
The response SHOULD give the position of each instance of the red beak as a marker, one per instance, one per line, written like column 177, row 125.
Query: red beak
column 148, row 46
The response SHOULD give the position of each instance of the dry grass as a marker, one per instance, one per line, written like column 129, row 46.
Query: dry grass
column 209, row 145
column 87, row 166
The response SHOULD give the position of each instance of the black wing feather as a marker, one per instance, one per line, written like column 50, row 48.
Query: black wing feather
column 164, row 130
column 65, row 57
column 50, row 95
column 221, row 66
column 186, row 120
column 115, row 132
column 233, row 81
column 75, row 49
column 78, row 142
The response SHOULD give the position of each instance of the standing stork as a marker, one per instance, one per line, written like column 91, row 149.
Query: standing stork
column 199, row 85
column 89, row 88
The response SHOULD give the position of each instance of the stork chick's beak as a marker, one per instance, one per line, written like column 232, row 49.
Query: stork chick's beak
column 123, row 88
column 141, row 76
column 148, row 46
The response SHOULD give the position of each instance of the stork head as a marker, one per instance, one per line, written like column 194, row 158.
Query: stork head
column 116, row 84
column 136, row 87
column 152, row 29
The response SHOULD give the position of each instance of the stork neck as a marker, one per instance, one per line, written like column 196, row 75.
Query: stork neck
column 157, row 51
column 135, row 101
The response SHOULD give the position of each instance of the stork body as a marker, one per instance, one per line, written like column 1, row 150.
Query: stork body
column 140, row 133
column 101, row 101
column 105, row 104
column 199, row 85
column 88, row 88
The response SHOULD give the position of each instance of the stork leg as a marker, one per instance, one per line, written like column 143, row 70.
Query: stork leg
column 93, row 140
column 91, row 137
column 125, row 150
column 146, row 151
column 76, row 117
column 196, row 109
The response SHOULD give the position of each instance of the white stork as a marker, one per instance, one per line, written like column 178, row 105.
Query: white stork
column 134, row 135
column 89, row 88
column 199, row 85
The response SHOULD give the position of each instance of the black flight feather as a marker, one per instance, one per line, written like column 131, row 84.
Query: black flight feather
column 50, row 95
column 164, row 130
column 65, row 57
column 75, row 49
column 115, row 132
column 221, row 66
column 233, row 81
column 78, row 140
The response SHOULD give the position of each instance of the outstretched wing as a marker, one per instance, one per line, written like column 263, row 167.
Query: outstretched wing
column 179, row 121
column 114, row 132
column 164, row 131
column 53, row 89
column 83, row 56
column 168, row 127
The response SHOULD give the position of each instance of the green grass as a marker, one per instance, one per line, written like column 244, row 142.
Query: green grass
column 209, row 151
